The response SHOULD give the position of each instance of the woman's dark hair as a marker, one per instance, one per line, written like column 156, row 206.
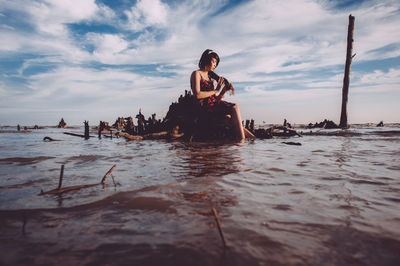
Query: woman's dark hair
column 206, row 57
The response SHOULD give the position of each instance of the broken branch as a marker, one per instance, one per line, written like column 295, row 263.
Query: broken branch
column 221, row 233
column 109, row 172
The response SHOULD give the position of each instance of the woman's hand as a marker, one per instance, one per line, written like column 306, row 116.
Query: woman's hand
column 220, row 83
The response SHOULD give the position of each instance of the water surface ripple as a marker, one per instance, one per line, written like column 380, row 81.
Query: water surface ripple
column 334, row 200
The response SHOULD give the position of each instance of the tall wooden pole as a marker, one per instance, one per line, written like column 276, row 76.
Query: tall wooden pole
column 346, row 79
column 86, row 129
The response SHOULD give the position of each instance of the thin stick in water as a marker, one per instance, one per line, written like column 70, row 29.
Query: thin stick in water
column 109, row 172
column 221, row 233
column 61, row 177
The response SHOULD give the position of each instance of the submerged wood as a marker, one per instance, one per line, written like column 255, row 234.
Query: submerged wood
column 186, row 120
column 67, row 189
column 74, row 134
column 326, row 124
column 50, row 139
column 221, row 232
column 60, row 190
column 61, row 177
column 292, row 143
column 108, row 173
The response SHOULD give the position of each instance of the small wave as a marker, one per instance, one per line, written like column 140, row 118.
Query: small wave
column 397, row 200
column 276, row 169
column 25, row 184
column 296, row 192
column 302, row 164
column 387, row 133
column 332, row 178
column 367, row 182
column 81, row 159
column 282, row 207
column 24, row 160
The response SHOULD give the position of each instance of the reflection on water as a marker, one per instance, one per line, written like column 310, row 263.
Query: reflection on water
column 205, row 159
column 334, row 200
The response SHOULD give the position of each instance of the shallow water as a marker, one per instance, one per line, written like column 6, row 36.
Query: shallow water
column 334, row 200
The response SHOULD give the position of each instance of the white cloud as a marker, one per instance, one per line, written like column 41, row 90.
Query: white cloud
column 147, row 13
column 9, row 41
column 51, row 16
column 107, row 46
column 380, row 77
column 298, row 37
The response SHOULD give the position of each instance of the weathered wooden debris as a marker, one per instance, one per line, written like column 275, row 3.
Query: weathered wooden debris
column 62, row 123
column 104, row 126
column 26, row 128
column 128, row 136
column 60, row 190
column 285, row 130
column 263, row 133
column 221, row 233
column 74, row 134
column 326, row 124
column 50, row 139
column 292, row 143
column 346, row 80
column 196, row 124
column 86, row 129
column 184, row 120
column 119, row 123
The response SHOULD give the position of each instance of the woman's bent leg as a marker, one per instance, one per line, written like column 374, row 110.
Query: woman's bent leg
column 237, row 123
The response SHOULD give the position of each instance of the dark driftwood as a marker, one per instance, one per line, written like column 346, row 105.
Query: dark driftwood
column 109, row 172
column 286, row 131
column 73, row 134
column 50, row 139
column 346, row 79
column 221, row 233
column 60, row 190
column 292, row 143
column 86, row 129
column 61, row 177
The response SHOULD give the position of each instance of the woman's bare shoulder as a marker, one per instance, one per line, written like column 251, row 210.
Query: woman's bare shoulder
column 195, row 74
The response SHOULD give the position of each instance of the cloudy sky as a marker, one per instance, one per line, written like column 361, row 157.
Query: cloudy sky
column 100, row 59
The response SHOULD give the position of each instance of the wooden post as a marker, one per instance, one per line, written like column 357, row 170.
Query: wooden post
column 61, row 177
column 86, row 129
column 346, row 79
column 100, row 129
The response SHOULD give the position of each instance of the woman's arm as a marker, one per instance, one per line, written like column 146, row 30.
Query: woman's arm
column 195, row 86
column 223, row 91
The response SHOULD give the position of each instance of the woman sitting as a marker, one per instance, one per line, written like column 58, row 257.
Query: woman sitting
column 210, row 99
